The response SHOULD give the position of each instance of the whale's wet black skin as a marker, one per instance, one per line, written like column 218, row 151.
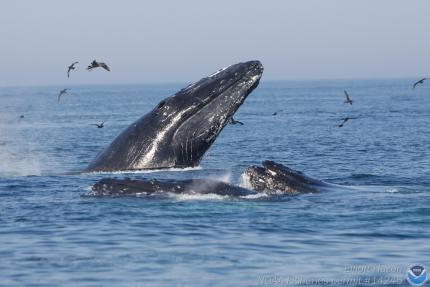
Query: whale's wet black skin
column 271, row 179
column 148, row 187
column 181, row 128
column 275, row 177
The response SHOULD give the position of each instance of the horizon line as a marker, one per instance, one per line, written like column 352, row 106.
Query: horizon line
column 185, row 82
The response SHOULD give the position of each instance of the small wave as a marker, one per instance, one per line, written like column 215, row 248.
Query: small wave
column 162, row 194
column 392, row 190
column 363, row 175
column 192, row 197
column 380, row 235
column 256, row 196
column 140, row 171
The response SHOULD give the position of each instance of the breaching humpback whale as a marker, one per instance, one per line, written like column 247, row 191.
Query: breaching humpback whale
column 181, row 128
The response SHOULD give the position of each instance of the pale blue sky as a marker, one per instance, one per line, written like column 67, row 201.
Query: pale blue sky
column 181, row 41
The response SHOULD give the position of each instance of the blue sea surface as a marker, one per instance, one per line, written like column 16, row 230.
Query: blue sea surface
column 53, row 234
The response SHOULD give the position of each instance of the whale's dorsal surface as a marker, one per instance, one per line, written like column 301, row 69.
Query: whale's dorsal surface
column 148, row 187
column 270, row 179
column 181, row 128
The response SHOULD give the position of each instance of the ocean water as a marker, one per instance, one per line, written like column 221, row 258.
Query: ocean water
column 53, row 234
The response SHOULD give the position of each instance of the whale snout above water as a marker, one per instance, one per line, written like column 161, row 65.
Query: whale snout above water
column 181, row 128
column 275, row 177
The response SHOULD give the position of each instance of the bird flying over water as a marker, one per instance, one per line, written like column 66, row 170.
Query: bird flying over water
column 95, row 64
column 233, row 121
column 275, row 113
column 71, row 67
column 419, row 83
column 348, row 99
column 344, row 120
column 99, row 125
column 62, row 92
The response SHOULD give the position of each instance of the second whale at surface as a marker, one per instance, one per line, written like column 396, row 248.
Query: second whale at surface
column 269, row 179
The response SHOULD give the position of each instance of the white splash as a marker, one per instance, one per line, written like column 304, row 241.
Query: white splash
column 255, row 196
column 226, row 177
column 147, row 170
column 245, row 181
column 19, row 153
column 16, row 160
column 197, row 196
column 392, row 190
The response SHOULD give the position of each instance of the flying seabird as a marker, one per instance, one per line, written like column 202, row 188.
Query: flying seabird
column 275, row 113
column 233, row 121
column 419, row 83
column 95, row 64
column 348, row 99
column 71, row 67
column 99, row 125
column 344, row 120
column 62, row 92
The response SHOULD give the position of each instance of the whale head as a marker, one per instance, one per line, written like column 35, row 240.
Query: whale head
column 274, row 177
column 182, row 127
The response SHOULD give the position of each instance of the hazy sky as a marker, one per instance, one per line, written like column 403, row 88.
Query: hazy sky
column 182, row 41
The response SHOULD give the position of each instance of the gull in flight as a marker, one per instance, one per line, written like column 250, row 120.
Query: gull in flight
column 233, row 121
column 344, row 120
column 348, row 99
column 62, row 92
column 71, row 67
column 95, row 64
column 99, row 125
column 420, row 82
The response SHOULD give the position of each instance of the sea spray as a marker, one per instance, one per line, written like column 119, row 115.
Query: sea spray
column 20, row 153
